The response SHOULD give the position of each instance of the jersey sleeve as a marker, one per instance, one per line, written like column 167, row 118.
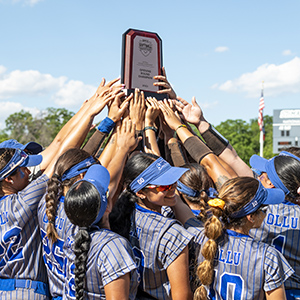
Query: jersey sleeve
column 115, row 260
column 33, row 193
column 276, row 268
column 172, row 243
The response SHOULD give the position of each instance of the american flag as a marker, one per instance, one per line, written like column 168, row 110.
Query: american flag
column 260, row 113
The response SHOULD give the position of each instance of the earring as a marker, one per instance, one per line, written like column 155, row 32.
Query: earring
column 12, row 182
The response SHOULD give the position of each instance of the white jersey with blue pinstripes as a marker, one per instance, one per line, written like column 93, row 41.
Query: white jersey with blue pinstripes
column 157, row 241
column 20, row 248
column 110, row 257
column 244, row 268
column 281, row 229
column 53, row 255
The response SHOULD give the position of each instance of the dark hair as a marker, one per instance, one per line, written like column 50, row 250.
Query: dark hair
column 55, row 186
column 120, row 216
column 5, row 156
column 82, row 204
column 293, row 150
column 288, row 170
column 197, row 179
column 236, row 193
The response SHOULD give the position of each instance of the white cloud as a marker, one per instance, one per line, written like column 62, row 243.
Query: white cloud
column 8, row 108
column 221, row 49
column 277, row 79
column 73, row 93
column 287, row 52
column 209, row 105
column 65, row 93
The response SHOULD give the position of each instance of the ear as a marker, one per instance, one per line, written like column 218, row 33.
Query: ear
column 9, row 180
column 141, row 194
column 81, row 175
column 270, row 184
column 250, row 218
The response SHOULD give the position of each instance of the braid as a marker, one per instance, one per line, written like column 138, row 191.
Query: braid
column 5, row 156
column 81, row 249
column 54, row 190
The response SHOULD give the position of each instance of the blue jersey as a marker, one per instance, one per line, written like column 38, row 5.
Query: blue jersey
column 20, row 247
column 243, row 268
column 53, row 255
column 110, row 257
column 157, row 241
column 281, row 229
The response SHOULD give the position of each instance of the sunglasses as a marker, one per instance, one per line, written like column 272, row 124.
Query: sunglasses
column 160, row 188
column 263, row 208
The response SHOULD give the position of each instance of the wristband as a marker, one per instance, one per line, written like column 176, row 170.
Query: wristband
column 181, row 125
column 214, row 140
column 106, row 125
column 196, row 148
column 151, row 128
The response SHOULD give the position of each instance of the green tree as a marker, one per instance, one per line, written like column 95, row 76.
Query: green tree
column 244, row 136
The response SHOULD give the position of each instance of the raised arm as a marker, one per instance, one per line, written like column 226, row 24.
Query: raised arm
column 196, row 147
column 218, row 144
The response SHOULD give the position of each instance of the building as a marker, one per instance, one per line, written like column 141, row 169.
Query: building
column 286, row 128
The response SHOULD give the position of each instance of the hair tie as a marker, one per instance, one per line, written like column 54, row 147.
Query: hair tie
column 56, row 176
column 83, row 228
column 51, row 222
column 216, row 202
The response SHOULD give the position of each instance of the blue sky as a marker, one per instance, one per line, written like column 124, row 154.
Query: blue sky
column 54, row 53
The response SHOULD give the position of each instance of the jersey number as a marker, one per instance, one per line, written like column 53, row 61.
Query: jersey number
column 10, row 249
column 279, row 242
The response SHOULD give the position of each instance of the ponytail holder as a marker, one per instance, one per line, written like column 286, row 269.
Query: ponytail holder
column 51, row 222
column 56, row 176
column 83, row 228
column 216, row 202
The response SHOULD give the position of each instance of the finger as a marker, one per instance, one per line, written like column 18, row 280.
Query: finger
column 184, row 102
column 164, row 71
column 136, row 96
column 194, row 102
column 102, row 83
column 162, row 84
column 126, row 101
column 113, row 82
column 129, row 125
column 160, row 77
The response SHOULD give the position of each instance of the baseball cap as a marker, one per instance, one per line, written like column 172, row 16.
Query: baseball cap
column 99, row 177
column 33, row 147
column 267, row 166
column 20, row 159
column 160, row 172
column 262, row 196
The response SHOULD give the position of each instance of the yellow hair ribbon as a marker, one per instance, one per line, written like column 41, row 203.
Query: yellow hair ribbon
column 216, row 202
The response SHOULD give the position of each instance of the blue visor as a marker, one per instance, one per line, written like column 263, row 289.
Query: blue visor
column 285, row 153
column 268, row 167
column 187, row 190
column 262, row 196
column 20, row 159
column 160, row 172
column 99, row 177
column 32, row 147
column 78, row 169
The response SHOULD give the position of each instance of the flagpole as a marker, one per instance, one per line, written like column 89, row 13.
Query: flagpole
column 261, row 134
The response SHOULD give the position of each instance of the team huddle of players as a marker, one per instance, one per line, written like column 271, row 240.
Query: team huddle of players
column 156, row 213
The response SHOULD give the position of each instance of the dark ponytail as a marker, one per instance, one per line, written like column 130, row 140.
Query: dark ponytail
column 120, row 217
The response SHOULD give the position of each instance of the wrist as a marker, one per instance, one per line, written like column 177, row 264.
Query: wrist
column 106, row 125
column 203, row 126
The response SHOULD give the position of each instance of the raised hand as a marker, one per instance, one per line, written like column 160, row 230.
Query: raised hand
column 164, row 83
column 117, row 108
column 192, row 113
column 137, row 109
column 152, row 111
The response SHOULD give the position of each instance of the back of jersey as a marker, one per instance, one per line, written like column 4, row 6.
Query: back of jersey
column 281, row 229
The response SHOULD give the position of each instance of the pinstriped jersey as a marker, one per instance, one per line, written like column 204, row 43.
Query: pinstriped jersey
column 157, row 241
column 53, row 255
column 245, row 269
column 281, row 229
column 110, row 256
column 20, row 248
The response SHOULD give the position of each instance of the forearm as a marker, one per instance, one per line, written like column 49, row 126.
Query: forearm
column 150, row 138
column 108, row 152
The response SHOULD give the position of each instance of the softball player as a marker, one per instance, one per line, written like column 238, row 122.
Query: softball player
column 100, row 263
column 52, row 218
column 159, row 243
column 232, row 264
column 282, row 223
column 22, row 272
